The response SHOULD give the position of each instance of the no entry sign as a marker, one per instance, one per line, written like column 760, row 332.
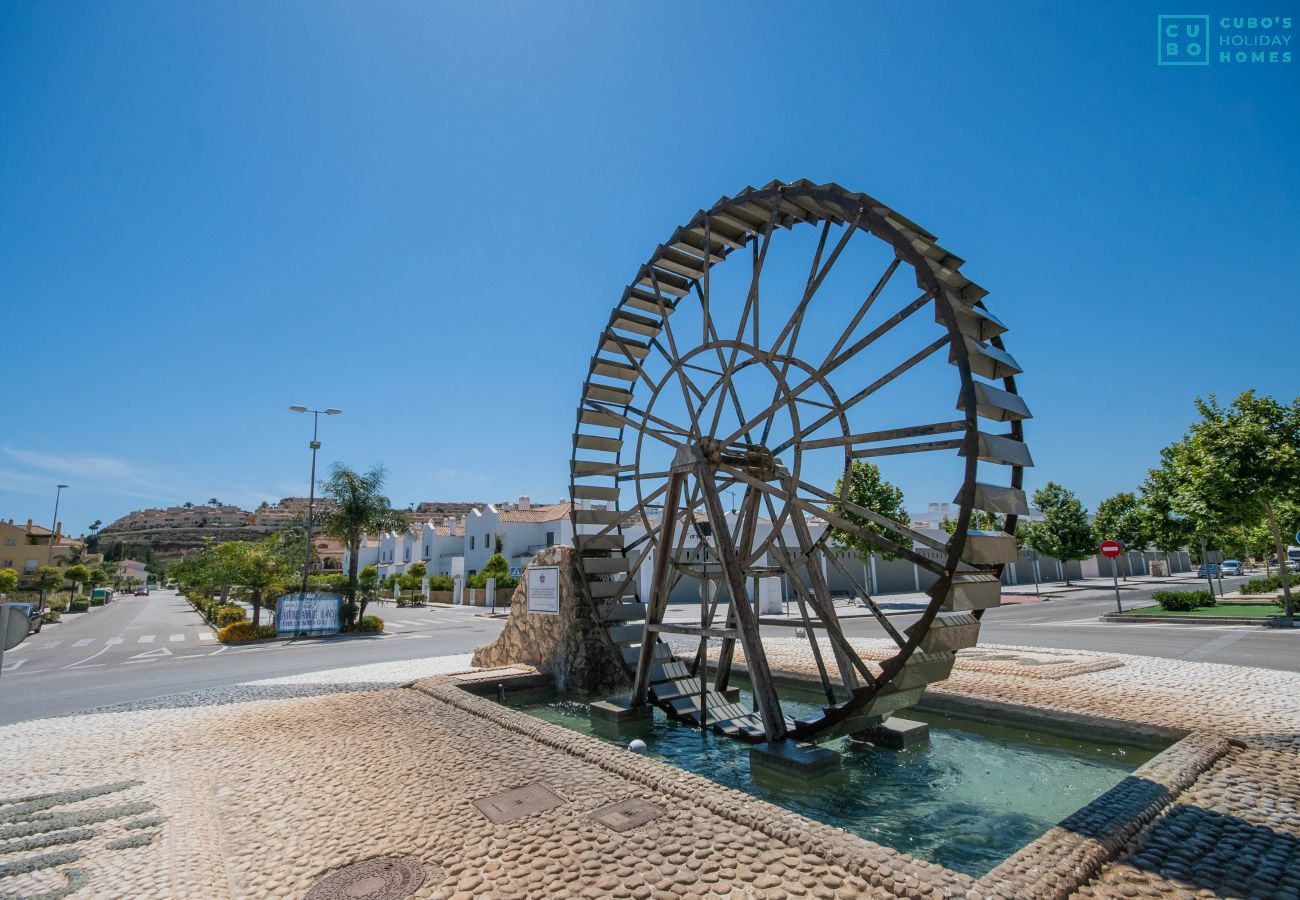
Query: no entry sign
column 1110, row 549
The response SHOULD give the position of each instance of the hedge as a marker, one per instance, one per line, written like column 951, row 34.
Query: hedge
column 1183, row 601
column 80, row 604
column 1267, row 585
column 245, row 631
column 228, row 615
column 369, row 625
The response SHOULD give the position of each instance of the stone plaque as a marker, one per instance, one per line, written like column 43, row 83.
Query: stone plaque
column 544, row 590
column 515, row 804
column 627, row 814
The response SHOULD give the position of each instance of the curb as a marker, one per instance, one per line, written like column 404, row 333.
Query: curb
column 1261, row 621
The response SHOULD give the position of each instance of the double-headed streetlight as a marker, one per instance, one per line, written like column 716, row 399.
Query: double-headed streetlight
column 311, row 495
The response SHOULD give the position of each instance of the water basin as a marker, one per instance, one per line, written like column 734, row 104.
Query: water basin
column 969, row 798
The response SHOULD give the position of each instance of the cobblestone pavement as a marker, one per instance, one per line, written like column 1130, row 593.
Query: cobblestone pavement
column 261, row 791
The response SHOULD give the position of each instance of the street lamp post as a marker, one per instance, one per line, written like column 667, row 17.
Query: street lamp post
column 311, row 492
column 54, row 527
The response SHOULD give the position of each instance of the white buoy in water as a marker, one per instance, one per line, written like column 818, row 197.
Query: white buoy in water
column 637, row 746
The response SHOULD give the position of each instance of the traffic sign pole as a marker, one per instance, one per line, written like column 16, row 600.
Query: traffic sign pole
column 1110, row 550
column 1114, row 574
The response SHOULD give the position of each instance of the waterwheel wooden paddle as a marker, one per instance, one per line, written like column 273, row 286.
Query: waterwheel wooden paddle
column 763, row 381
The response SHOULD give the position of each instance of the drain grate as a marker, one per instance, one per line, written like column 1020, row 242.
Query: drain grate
column 382, row 878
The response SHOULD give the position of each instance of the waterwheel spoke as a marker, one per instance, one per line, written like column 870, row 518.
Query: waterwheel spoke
column 846, row 405
column 834, row 559
column 831, row 364
column 824, row 512
column 674, row 357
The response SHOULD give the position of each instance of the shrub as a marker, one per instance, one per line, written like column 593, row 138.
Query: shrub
column 245, row 631
column 401, row 602
column 1183, row 601
column 79, row 605
column 51, row 615
column 441, row 583
column 1265, row 585
column 57, row 604
column 369, row 625
column 348, row 613
column 228, row 615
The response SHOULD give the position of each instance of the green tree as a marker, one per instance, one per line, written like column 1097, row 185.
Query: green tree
column 1238, row 464
column 979, row 521
column 47, row 578
column 8, row 581
column 96, row 577
column 262, row 572
column 496, row 567
column 368, row 583
column 419, row 570
column 361, row 508
column 868, row 490
column 75, row 575
column 1120, row 518
column 1064, row 532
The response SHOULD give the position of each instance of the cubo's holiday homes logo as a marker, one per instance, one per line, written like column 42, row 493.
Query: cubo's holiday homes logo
column 1186, row 40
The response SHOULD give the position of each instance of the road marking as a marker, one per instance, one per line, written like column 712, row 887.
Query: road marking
column 208, row 635
column 146, row 639
column 181, row 637
column 151, row 654
column 107, row 646
column 53, row 643
column 115, row 640
column 12, row 666
column 84, row 641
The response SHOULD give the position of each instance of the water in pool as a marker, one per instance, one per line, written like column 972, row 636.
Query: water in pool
column 972, row 796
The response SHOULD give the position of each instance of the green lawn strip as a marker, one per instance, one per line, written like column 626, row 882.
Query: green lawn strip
column 1233, row 610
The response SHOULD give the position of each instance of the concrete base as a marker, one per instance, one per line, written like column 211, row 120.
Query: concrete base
column 894, row 734
column 619, row 710
column 794, row 760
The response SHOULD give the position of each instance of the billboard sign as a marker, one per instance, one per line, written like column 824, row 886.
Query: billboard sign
column 312, row 613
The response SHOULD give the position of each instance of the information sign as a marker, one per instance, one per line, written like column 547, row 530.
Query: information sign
column 311, row 613
column 544, row 590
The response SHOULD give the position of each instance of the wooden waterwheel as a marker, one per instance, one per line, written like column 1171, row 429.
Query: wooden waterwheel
column 838, row 331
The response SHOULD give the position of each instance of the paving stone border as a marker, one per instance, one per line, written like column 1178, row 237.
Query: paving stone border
column 1073, row 852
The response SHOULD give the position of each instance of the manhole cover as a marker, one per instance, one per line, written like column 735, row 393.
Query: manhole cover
column 627, row 814
column 522, row 801
column 384, row 878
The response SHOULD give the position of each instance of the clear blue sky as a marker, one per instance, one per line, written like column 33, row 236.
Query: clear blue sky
column 422, row 213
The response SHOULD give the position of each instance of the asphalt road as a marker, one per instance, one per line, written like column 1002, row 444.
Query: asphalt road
column 1071, row 621
column 139, row 647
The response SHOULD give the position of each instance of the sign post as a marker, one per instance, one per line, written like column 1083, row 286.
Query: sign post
column 1110, row 550
column 492, row 596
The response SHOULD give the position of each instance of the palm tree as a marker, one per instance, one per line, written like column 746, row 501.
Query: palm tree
column 213, row 501
column 361, row 509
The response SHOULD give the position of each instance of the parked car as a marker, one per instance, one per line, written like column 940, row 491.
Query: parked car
column 35, row 618
column 1214, row 570
column 142, row 592
column 1232, row 567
